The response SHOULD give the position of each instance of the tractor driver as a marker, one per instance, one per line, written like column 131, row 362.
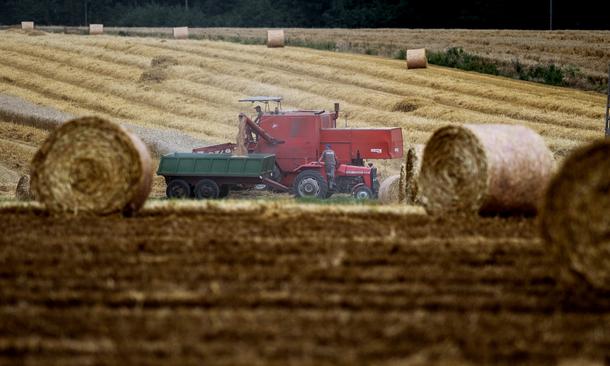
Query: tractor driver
column 259, row 114
column 329, row 158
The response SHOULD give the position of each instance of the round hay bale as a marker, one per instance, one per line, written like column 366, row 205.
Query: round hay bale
column 275, row 38
column 27, row 25
column 575, row 219
column 181, row 32
column 91, row 165
column 23, row 192
column 489, row 169
column 95, row 29
column 416, row 59
column 389, row 190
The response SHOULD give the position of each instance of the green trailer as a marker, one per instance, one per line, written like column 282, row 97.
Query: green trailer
column 212, row 175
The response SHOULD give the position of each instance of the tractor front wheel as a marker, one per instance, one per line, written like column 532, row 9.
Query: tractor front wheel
column 310, row 184
column 206, row 189
column 178, row 188
column 362, row 192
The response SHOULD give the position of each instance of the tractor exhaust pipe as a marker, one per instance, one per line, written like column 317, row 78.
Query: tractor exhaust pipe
column 336, row 111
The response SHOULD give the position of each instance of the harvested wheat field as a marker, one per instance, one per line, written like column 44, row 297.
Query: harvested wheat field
column 252, row 283
column 585, row 54
column 117, row 78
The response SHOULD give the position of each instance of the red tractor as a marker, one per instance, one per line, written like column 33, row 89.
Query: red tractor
column 297, row 139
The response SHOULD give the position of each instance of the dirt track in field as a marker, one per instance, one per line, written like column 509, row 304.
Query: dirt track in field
column 278, row 284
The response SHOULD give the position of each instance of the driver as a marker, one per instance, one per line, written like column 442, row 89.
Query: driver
column 259, row 114
column 329, row 158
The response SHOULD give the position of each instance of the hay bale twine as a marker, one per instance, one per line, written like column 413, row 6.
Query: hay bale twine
column 23, row 192
column 275, row 38
column 181, row 32
column 489, row 169
column 416, row 59
column 91, row 165
column 575, row 216
column 96, row 29
column 389, row 190
column 27, row 25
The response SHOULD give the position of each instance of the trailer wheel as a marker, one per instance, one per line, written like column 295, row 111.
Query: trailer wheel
column 206, row 188
column 225, row 189
column 362, row 192
column 178, row 188
column 310, row 183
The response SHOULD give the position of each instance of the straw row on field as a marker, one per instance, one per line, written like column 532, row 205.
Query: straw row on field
column 198, row 95
column 117, row 99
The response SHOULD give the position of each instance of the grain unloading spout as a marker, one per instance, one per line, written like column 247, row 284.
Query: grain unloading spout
column 259, row 131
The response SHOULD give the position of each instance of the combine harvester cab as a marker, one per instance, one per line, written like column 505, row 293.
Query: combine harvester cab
column 297, row 140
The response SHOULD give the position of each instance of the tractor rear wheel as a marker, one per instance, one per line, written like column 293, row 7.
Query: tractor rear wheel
column 206, row 189
column 310, row 184
column 178, row 188
column 362, row 192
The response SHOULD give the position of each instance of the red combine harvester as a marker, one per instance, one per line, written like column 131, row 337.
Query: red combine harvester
column 297, row 139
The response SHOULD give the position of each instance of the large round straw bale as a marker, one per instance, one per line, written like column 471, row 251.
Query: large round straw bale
column 490, row 169
column 27, row 25
column 416, row 59
column 23, row 192
column 575, row 216
column 96, row 29
column 181, row 32
column 275, row 38
column 91, row 165
column 389, row 190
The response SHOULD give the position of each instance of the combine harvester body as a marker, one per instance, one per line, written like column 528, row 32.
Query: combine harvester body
column 298, row 138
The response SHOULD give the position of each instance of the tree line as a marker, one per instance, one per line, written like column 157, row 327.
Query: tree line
column 517, row 14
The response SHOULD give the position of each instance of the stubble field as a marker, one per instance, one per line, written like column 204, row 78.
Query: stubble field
column 240, row 283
